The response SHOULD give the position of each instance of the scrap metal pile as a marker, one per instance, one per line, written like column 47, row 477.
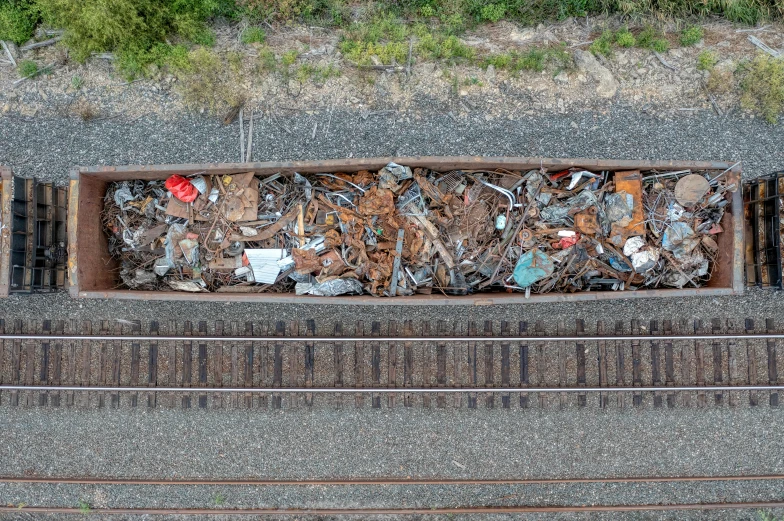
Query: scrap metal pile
column 400, row 231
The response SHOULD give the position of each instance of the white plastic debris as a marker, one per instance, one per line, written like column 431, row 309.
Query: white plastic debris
column 264, row 263
column 633, row 245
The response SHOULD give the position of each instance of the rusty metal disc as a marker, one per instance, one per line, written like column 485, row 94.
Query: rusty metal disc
column 690, row 190
column 233, row 208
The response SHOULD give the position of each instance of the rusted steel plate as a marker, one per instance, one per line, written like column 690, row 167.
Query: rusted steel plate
column 91, row 268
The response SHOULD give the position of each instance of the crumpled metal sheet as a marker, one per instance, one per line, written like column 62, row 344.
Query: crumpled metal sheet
column 330, row 288
column 531, row 267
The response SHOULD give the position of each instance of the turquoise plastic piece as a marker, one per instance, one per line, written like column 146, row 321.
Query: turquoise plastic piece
column 532, row 266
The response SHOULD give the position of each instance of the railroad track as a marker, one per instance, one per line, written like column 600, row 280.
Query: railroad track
column 504, row 365
column 392, row 496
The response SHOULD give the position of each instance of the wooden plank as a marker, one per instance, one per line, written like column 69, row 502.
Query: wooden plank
column 152, row 365
column 70, row 368
column 636, row 363
column 218, row 354
column 187, row 364
column 472, row 369
column 602, row 361
column 16, row 360
column 203, row 365
column 136, row 348
column 580, row 352
column 688, row 361
column 277, row 364
column 234, row 364
column 408, row 362
column 392, row 364
column 103, row 364
column 773, row 373
column 338, row 363
column 489, row 366
column 699, row 362
column 426, row 365
column 375, row 362
column 669, row 363
column 655, row 363
column 441, row 330
column 2, row 358
column 718, row 365
column 524, row 364
column 458, row 358
column 505, row 361
column 249, row 365
column 115, row 359
column 563, row 380
column 174, row 362
column 732, row 363
column 294, row 367
column 359, row 363
column 541, row 363
column 751, row 358
column 29, row 366
column 264, row 364
column 310, row 359
column 43, row 376
column 85, row 352
column 620, row 364
column 57, row 363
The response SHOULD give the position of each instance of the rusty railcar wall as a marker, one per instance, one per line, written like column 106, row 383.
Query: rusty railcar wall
column 92, row 270
column 6, row 196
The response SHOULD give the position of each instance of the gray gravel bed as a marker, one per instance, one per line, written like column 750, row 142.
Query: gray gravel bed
column 394, row 496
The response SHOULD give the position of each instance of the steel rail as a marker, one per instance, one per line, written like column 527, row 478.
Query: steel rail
column 288, row 339
column 401, row 511
column 355, row 390
column 383, row 481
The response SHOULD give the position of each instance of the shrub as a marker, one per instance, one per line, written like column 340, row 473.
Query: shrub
column 649, row 38
column 706, row 60
column 253, row 35
column 17, row 20
column 27, row 68
column 762, row 86
column 691, row 35
column 126, row 25
column 625, row 38
column 493, row 12
column 603, row 44
column 208, row 83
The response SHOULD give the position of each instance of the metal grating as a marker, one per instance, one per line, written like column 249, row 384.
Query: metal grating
column 38, row 236
column 763, row 203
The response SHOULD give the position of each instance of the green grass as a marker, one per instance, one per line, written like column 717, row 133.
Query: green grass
column 28, row 69
column 84, row 507
column 535, row 59
column 77, row 82
column 691, row 35
column 603, row 44
column 706, row 60
column 762, row 86
column 625, row 38
column 219, row 500
column 318, row 74
column 651, row 39
column 253, row 35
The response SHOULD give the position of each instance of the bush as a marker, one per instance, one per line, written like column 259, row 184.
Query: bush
column 128, row 26
column 691, row 35
column 253, row 35
column 603, row 44
column 493, row 12
column 625, row 38
column 649, row 38
column 209, row 83
column 17, row 21
column 27, row 68
column 707, row 60
column 762, row 86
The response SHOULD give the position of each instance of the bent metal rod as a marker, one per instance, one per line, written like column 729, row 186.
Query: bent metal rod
column 291, row 339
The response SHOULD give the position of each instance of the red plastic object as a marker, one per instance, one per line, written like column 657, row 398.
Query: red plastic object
column 182, row 189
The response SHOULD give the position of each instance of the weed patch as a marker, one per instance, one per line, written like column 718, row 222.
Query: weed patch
column 535, row 59
column 603, row 44
column 208, row 82
column 762, row 86
column 706, row 60
column 28, row 69
column 253, row 35
column 18, row 19
column 691, row 35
